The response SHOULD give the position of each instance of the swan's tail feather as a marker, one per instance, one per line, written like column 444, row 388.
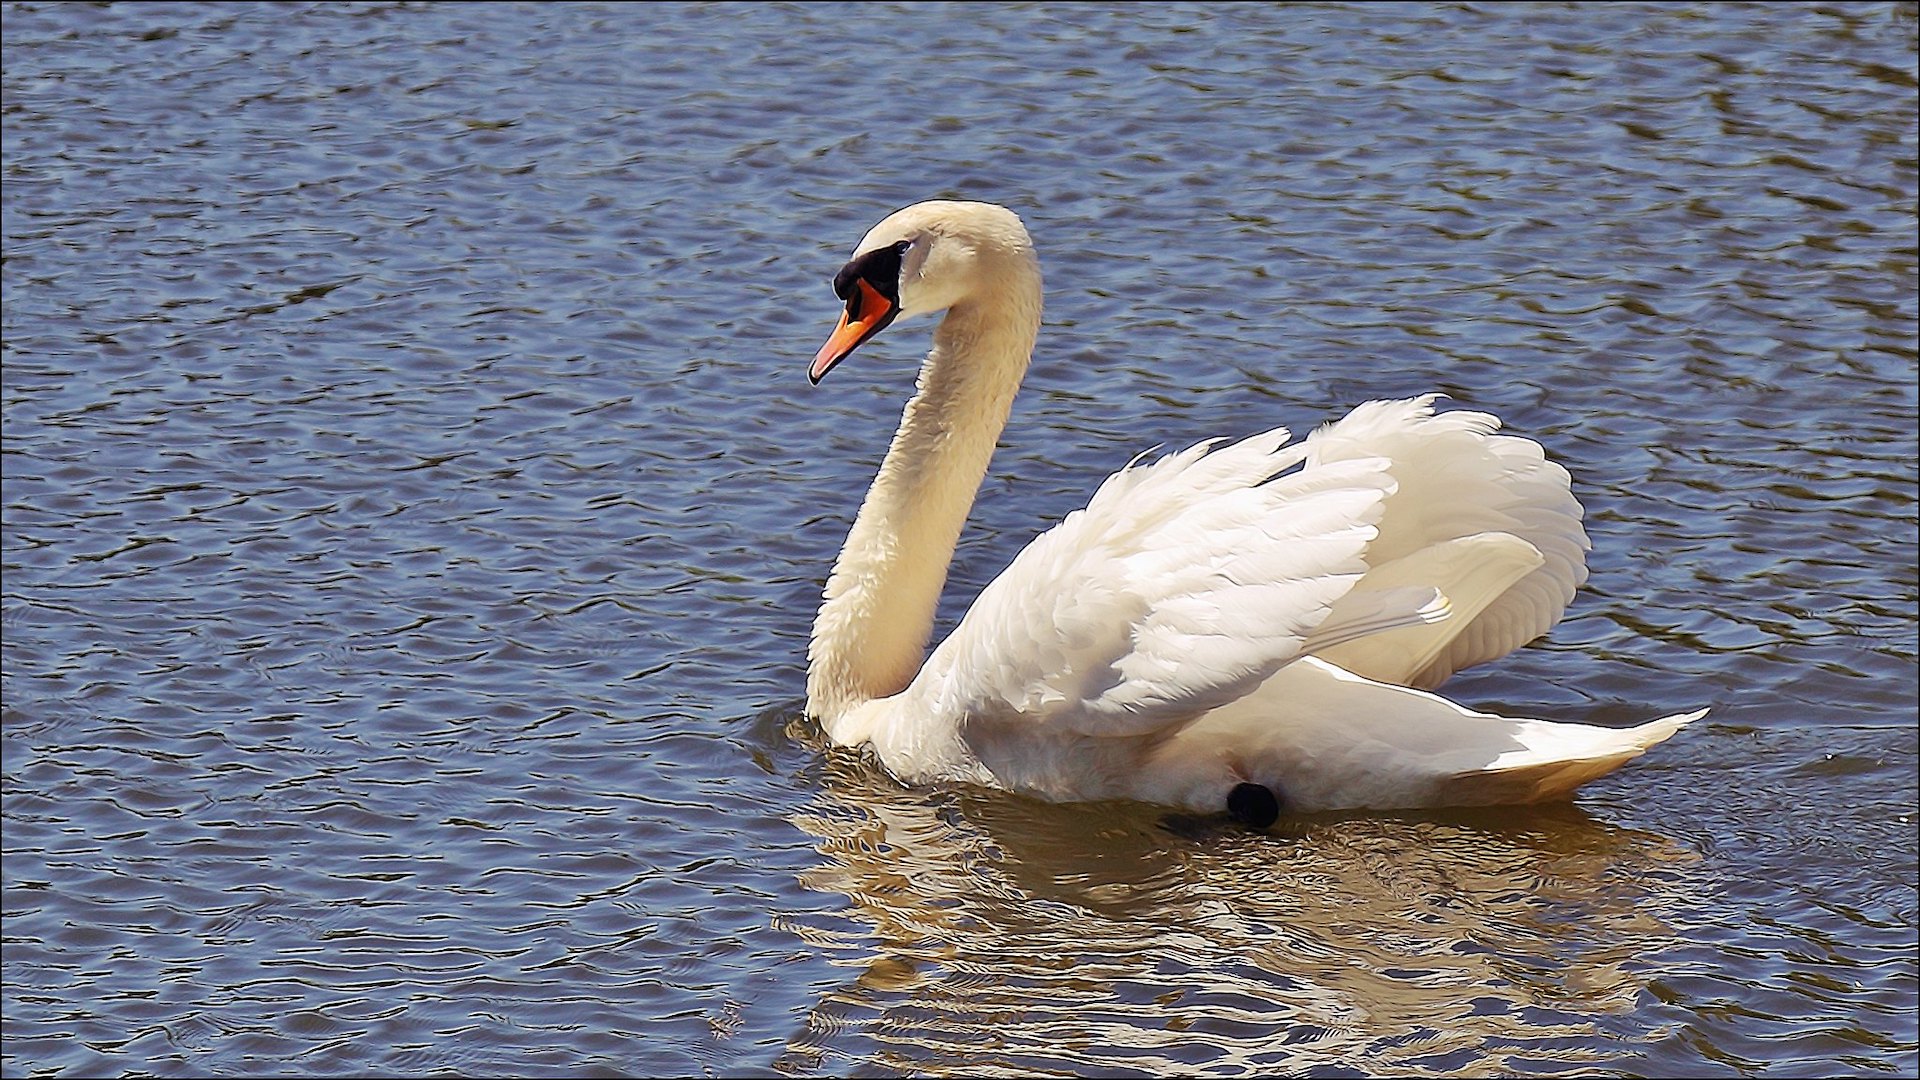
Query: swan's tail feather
column 1546, row 781
column 1332, row 740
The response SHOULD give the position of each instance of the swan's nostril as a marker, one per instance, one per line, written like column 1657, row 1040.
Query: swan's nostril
column 1253, row 804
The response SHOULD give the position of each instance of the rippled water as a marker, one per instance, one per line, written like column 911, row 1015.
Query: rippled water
column 415, row 507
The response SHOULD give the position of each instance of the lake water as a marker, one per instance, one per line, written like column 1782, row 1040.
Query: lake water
column 415, row 508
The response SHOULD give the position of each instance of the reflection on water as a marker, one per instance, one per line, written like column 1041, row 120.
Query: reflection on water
column 997, row 934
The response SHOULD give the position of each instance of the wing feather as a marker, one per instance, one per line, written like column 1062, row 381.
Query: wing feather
column 1456, row 478
column 1188, row 581
column 1182, row 585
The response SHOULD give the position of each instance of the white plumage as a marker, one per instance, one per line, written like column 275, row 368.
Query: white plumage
column 1256, row 612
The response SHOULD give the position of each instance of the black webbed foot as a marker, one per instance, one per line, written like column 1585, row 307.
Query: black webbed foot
column 1253, row 804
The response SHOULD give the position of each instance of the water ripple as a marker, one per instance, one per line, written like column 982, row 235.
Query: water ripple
column 414, row 512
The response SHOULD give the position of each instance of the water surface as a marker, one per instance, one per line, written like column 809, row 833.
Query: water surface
column 415, row 508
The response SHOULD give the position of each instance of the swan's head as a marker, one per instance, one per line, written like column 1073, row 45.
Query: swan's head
column 928, row 257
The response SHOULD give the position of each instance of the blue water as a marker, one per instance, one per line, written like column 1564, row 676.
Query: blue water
column 415, row 508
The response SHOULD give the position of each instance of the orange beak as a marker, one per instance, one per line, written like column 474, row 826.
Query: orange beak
column 867, row 314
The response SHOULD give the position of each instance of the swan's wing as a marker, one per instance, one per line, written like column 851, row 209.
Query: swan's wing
column 1454, row 480
column 1472, row 571
column 1181, row 586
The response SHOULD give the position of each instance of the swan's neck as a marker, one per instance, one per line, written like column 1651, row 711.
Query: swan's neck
column 877, row 614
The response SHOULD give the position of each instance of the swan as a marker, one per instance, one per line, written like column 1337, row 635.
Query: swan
column 1246, row 627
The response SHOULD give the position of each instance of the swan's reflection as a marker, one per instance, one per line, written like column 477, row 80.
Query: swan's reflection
column 994, row 933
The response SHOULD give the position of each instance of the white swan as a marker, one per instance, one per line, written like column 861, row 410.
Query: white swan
column 1238, row 627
